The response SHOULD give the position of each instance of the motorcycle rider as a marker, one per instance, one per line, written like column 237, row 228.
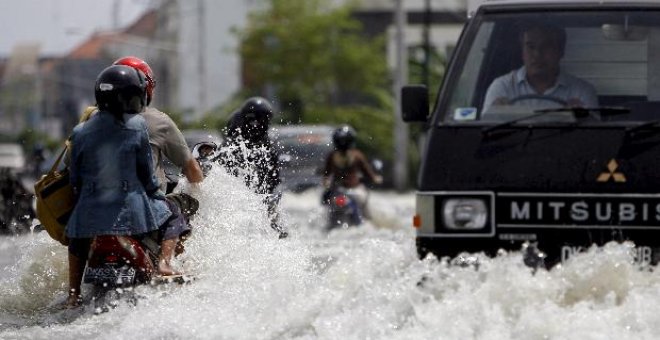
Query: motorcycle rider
column 112, row 174
column 164, row 136
column 166, row 141
column 346, row 165
column 249, row 152
column 17, row 202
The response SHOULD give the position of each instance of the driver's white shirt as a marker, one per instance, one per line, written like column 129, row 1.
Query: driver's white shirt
column 515, row 84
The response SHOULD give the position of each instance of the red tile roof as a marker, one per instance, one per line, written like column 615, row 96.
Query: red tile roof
column 92, row 48
column 144, row 26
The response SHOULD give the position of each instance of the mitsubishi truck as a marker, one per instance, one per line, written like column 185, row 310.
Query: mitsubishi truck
column 545, row 134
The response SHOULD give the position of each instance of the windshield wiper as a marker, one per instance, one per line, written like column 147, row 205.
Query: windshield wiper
column 643, row 126
column 583, row 112
column 578, row 113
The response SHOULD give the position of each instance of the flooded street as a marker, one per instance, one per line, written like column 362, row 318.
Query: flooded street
column 361, row 283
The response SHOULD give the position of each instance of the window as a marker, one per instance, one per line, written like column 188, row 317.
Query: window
column 519, row 63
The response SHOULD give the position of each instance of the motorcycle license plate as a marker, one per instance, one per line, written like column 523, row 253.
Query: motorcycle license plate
column 110, row 274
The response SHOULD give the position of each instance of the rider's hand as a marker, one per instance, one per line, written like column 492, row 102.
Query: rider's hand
column 574, row 102
column 193, row 189
column 501, row 101
column 378, row 179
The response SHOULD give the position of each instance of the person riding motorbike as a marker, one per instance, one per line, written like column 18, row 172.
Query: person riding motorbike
column 166, row 141
column 113, row 177
column 249, row 152
column 16, row 212
column 165, row 137
column 345, row 166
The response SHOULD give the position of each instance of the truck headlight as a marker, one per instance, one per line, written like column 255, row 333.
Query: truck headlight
column 461, row 214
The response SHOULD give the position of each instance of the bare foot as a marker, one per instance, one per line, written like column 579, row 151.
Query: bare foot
column 73, row 301
column 166, row 252
column 164, row 269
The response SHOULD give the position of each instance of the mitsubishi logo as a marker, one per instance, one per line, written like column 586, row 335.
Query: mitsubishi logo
column 611, row 173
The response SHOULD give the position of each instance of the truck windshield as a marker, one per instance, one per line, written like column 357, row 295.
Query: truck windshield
column 521, row 62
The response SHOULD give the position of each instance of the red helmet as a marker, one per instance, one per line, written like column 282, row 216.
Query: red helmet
column 141, row 65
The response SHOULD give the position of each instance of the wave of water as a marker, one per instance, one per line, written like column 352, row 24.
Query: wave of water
column 360, row 283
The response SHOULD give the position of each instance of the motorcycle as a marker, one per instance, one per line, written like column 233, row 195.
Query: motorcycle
column 203, row 152
column 343, row 204
column 117, row 263
column 343, row 208
column 17, row 206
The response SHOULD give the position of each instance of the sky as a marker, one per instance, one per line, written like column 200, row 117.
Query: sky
column 60, row 25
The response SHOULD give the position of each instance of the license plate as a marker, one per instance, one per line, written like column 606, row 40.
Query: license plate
column 643, row 255
column 110, row 274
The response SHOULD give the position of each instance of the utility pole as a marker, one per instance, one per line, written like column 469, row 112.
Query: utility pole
column 426, row 38
column 115, row 14
column 201, row 59
column 400, row 79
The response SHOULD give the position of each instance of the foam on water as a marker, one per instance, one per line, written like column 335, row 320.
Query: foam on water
column 360, row 283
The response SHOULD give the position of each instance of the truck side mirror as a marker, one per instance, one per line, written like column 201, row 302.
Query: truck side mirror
column 414, row 103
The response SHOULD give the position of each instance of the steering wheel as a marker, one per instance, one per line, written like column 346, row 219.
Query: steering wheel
column 538, row 97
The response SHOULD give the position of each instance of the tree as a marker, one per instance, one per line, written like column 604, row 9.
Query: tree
column 312, row 55
column 437, row 65
column 313, row 58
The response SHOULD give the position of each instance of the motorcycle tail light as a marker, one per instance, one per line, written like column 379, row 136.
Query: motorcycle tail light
column 341, row 201
column 111, row 258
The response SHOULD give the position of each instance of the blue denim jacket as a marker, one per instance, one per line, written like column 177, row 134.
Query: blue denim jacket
column 111, row 171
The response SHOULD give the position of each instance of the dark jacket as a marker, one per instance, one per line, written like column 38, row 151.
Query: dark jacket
column 254, row 160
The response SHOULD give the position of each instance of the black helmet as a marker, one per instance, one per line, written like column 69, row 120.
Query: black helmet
column 254, row 118
column 257, row 106
column 121, row 89
column 344, row 137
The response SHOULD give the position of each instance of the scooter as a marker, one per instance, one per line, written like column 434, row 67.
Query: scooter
column 117, row 262
column 343, row 208
column 203, row 152
column 16, row 204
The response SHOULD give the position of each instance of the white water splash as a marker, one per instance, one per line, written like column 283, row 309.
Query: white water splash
column 359, row 283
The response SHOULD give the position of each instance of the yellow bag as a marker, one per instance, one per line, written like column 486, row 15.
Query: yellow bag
column 55, row 201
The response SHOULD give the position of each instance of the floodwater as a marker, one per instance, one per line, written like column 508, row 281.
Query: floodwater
column 359, row 283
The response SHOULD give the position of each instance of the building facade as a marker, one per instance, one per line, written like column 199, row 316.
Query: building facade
column 193, row 49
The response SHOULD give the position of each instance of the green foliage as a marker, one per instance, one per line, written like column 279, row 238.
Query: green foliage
column 437, row 65
column 28, row 138
column 217, row 118
column 311, row 51
column 319, row 67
